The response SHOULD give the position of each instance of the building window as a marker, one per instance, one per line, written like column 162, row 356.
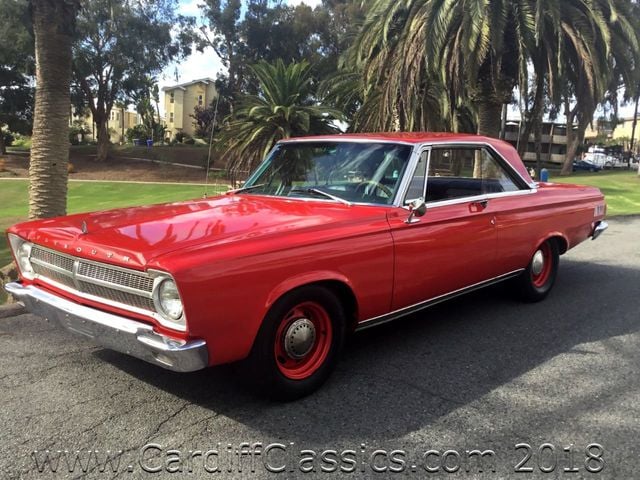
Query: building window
column 170, row 117
column 171, row 97
column 200, row 100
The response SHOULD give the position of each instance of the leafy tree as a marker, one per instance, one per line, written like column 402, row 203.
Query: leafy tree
column 284, row 107
column 147, row 100
column 53, row 25
column 17, row 65
column 120, row 44
column 203, row 118
column 269, row 31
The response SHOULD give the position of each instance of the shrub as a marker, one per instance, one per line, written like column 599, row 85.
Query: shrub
column 137, row 131
column 181, row 137
column 189, row 141
column 8, row 138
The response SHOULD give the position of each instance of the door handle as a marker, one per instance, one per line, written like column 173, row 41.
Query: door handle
column 478, row 206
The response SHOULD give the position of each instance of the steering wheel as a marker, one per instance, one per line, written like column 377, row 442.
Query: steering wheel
column 377, row 186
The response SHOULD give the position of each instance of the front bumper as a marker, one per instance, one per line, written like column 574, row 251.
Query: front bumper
column 112, row 331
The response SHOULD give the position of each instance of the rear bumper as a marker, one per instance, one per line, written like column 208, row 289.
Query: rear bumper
column 599, row 229
column 112, row 331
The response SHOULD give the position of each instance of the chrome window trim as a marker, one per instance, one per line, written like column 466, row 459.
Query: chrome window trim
column 477, row 198
column 416, row 307
column 418, row 151
column 472, row 143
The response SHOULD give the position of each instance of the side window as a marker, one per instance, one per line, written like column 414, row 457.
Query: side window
column 465, row 172
column 416, row 186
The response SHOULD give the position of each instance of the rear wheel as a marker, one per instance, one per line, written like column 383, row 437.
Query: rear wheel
column 535, row 283
column 298, row 343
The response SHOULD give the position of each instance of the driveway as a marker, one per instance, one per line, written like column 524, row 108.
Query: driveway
column 556, row 381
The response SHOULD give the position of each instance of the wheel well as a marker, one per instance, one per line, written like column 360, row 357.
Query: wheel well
column 346, row 297
column 562, row 244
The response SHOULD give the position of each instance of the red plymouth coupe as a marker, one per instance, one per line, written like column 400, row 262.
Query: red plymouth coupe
column 329, row 235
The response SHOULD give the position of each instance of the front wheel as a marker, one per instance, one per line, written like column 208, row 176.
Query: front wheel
column 535, row 283
column 298, row 343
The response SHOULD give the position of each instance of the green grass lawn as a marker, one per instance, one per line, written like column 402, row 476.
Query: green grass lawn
column 620, row 187
column 88, row 197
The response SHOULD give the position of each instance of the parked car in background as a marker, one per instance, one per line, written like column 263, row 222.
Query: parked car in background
column 583, row 165
column 328, row 236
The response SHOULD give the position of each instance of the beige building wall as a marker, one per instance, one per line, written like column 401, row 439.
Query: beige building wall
column 180, row 102
column 117, row 120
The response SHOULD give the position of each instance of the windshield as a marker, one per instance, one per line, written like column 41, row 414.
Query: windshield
column 350, row 171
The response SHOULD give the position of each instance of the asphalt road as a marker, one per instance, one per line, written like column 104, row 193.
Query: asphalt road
column 481, row 372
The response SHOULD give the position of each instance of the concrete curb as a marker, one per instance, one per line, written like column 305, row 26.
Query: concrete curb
column 12, row 310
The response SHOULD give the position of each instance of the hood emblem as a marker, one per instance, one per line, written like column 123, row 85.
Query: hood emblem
column 83, row 227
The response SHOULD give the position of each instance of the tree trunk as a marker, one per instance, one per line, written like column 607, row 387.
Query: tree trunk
column 532, row 117
column 3, row 147
column 52, row 26
column 103, row 139
column 489, row 123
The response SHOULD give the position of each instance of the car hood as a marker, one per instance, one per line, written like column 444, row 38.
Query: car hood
column 133, row 237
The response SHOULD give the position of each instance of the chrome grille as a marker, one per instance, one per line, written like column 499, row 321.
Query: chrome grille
column 116, row 277
column 116, row 295
column 125, row 287
column 52, row 258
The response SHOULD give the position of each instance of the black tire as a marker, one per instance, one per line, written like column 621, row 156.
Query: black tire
column 531, row 287
column 271, row 374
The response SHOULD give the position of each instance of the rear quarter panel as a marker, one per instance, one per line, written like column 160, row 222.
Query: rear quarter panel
column 524, row 222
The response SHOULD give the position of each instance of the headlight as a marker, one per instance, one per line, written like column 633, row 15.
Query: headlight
column 168, row 302
column 22, row 251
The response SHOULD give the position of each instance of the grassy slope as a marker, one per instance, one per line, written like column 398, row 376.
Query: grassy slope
column 87, row 197
column 621, row 188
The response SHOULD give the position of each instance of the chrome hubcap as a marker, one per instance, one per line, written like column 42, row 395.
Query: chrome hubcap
column 537, row 264
column 299, row 338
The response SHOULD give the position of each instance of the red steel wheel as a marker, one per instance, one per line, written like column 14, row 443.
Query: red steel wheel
column 541, row 265
column 303, row 340
column 537, row 280
column 298, row 343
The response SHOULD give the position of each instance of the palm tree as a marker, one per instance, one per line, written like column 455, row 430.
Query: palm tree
column 481, row 49
column 53, row 24
column 284, row 107
column 593, row 49
column 476, row 49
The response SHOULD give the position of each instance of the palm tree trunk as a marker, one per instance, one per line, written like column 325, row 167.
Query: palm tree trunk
column 52, row 26
column 489, row 123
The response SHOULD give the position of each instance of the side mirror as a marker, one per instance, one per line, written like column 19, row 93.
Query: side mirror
column 417, row 209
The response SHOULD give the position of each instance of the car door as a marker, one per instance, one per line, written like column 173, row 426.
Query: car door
column 453, row 245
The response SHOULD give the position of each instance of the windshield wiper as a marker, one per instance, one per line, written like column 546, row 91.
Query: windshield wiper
column 321, row 193
column 245, row 189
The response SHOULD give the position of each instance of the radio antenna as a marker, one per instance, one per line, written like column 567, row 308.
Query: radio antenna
column 213, row 126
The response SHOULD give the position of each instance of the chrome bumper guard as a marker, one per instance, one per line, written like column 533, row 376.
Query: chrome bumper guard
column 599, row 229
column 112, row 331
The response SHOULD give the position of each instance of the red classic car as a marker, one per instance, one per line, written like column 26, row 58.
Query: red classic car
column 329, row 235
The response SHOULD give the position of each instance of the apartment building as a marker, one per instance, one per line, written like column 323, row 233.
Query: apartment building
column 554, row 141
column 180, row 101
column 120, row 120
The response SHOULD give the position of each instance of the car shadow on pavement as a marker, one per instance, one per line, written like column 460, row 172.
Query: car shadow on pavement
column 401, row 377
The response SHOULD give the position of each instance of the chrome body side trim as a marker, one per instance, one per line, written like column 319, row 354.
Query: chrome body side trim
column 599, row 229
column 112, row 331
column 388, row 317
